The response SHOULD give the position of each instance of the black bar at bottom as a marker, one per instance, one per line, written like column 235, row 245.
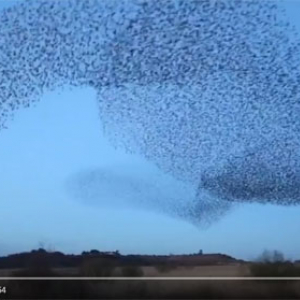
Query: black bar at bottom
column 152, row 289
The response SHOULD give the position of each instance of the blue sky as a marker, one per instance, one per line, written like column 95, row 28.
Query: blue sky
column 61, row 136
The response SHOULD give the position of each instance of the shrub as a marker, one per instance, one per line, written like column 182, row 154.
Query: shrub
column 132, row 271
column 97, row 267
column 165, row 268
column 276, row 269
column 271, row 264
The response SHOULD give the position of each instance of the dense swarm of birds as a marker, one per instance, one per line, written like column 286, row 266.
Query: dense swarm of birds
column 206, row 90
column 120, row 187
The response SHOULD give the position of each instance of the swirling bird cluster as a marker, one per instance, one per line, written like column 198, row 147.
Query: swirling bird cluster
column 206, row 90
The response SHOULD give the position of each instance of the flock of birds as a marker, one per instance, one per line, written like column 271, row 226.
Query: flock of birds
column 207, row 90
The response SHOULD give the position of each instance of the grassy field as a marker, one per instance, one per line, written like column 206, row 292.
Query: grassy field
column 156, row 289
column 231, row 270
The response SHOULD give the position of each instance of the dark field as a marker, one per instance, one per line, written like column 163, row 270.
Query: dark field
column 144, row 277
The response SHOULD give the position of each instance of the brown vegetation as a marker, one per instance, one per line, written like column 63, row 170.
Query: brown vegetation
column 105, row 266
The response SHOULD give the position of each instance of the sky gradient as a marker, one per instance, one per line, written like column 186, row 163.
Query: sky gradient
column 47, row 144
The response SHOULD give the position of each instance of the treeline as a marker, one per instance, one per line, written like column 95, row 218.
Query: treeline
column 60, row 260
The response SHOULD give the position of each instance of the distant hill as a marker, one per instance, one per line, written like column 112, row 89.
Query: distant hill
column 61, row 260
